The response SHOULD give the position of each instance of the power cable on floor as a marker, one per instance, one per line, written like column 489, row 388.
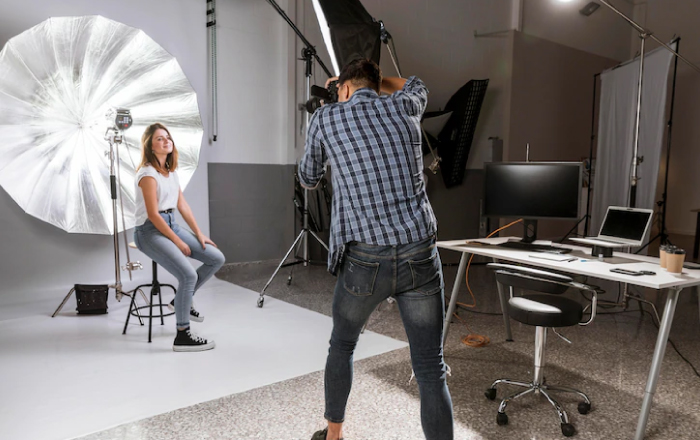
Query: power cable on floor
column 472, row 339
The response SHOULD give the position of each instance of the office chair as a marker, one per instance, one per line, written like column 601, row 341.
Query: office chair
column 543, row 309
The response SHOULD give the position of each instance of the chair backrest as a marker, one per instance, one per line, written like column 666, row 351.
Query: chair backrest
column 542, row 281
column 531, row 279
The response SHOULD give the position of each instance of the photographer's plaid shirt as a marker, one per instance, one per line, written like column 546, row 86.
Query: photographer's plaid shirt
column 373, row 144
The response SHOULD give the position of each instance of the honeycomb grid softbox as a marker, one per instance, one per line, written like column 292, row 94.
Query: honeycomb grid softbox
column 349, row 32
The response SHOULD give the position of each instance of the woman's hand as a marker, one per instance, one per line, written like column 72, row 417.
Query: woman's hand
column 203, row 239
column 183, row 247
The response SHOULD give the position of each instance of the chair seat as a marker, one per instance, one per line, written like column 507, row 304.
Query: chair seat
column 545, row 310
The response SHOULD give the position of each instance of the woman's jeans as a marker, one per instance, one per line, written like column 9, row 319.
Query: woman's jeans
column 163, row 251
column 412, row 274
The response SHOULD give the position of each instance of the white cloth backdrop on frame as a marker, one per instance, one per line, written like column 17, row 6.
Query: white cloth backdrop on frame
column 616, row 126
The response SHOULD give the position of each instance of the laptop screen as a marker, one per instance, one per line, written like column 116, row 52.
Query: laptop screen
column 626, row 223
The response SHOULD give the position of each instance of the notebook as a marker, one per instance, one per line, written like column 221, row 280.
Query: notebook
column 621, row 227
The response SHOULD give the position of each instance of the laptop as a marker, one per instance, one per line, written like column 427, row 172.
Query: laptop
column 621, row 227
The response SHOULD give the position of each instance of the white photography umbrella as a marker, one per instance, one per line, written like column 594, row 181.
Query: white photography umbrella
column 58, row 80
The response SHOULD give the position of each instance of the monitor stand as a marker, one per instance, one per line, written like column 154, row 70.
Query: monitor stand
column 529, row 231
column 602, row 251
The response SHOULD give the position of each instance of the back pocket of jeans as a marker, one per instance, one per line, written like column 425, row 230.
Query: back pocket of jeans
column 359, row 276
column 426, row 275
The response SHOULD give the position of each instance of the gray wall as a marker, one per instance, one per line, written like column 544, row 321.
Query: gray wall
column 251, row 210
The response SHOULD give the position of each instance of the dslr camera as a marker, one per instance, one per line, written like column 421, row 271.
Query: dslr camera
column 327, row 95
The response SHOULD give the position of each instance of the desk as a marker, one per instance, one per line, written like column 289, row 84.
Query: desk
column 597, row 269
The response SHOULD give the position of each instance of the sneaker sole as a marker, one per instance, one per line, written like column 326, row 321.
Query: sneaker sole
column 192, row 318
column 192, row 348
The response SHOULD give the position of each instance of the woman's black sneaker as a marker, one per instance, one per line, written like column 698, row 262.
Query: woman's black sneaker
column 188, row 341
column 194, row 314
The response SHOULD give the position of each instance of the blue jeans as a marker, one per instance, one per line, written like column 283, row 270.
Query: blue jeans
column 163, row 251
column 411, row 273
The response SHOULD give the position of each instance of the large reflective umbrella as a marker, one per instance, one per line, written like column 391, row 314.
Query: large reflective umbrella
column 58, row 81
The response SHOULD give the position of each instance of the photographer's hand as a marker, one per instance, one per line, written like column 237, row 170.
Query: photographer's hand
column 330, row 80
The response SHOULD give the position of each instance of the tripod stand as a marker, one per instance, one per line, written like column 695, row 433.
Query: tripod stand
column 115, row 138
column 308, row 54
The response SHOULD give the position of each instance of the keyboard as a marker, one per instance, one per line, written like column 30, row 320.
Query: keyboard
column 519, row 245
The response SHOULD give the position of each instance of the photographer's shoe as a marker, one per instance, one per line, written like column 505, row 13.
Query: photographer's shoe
column 320, row 435
column 188, row 341
column 194, row 314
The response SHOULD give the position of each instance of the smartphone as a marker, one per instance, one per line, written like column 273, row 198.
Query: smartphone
column 627, row 272
column 691, row 265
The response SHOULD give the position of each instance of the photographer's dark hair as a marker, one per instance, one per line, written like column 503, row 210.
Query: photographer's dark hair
column 362, row 73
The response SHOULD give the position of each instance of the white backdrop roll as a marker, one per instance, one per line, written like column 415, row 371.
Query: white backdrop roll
column 616, row 131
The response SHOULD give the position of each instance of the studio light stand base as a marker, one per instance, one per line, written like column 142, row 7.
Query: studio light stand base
column 119, row 293
column 301, row 238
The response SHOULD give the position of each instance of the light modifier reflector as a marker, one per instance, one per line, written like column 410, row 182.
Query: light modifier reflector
column 326, row 32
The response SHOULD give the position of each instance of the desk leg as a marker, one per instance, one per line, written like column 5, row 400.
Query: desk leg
column 504, row 308
column 697, row 237
column 455, row 290
column 659, row 351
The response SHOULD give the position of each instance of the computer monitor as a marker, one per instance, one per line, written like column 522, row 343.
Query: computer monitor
column 532, row 191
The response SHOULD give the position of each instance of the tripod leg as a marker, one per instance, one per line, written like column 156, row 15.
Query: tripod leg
column 262, row 293
column 63, row 302
column 319, row 240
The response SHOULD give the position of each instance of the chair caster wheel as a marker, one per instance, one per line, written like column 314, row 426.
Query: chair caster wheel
column 584, row 408
column 568, row 429
column 502, row 419
column 261, row 300
column 490, row 394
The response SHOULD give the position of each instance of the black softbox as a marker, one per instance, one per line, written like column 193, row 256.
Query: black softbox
column 348, row 31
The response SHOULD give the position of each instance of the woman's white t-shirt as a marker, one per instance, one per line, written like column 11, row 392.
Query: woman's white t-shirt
column 167, row 191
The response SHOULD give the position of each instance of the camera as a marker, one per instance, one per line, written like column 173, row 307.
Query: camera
column 328, row 95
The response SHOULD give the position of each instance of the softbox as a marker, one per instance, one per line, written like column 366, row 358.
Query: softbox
column 348, row 31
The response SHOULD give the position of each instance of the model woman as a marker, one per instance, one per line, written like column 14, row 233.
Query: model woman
column 157, row 235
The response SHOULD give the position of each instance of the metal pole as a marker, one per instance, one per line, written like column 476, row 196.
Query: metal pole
column 590, row 157
column 635, row 153
column 115, row 234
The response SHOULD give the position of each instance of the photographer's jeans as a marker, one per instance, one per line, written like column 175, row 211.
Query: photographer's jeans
column 412, row 274
column 163, row 251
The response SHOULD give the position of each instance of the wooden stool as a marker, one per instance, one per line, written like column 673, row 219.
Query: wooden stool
column 155, row 291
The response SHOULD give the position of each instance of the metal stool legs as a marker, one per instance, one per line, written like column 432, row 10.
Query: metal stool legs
column 155, row 291
column 539, row 386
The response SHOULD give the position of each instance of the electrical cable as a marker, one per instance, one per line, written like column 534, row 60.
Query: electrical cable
column 472, row 339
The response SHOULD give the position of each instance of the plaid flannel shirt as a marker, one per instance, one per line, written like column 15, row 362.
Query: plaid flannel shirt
column 373, row 144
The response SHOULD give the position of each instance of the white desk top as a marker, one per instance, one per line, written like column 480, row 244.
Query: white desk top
column 591, row 267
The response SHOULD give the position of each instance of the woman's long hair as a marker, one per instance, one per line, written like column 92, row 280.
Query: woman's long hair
column 147, row 156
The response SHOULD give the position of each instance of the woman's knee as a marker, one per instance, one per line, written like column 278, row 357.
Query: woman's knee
column 188, row 277
column 218, row 258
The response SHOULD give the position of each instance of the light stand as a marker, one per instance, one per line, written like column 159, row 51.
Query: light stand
column 663, row 203
column 308, row 55
column 114, row 137
column 643, row 34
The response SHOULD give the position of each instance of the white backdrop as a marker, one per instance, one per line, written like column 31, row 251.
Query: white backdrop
column 616, row 131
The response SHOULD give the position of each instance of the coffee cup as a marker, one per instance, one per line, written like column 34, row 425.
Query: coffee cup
column 663, row 251
column 674, row 260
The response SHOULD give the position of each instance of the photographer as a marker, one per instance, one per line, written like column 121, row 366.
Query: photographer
column 382, row 238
